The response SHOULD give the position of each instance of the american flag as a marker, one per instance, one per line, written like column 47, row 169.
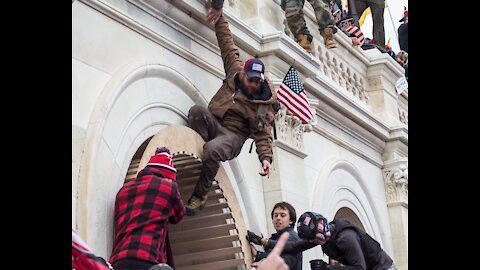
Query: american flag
column 292, row 95
column 359, row 38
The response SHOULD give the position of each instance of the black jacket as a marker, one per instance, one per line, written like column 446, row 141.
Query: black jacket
column 351, row 246
column 292, row 259
column 354, row 248
column 403, row 37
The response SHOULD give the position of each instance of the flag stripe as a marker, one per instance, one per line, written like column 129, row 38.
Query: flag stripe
column 357, row 32
column 294, row 106
column 302, row 100
column 293, row 109
column 301, row 105
column 292, row 95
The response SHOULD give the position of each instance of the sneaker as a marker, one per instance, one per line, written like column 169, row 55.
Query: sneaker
column 195, row 203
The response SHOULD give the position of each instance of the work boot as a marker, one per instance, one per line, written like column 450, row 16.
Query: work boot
column 327, row 35
column 303, row 41
column 195, row 204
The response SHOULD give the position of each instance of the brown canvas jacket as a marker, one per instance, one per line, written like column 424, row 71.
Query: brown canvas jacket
column 232, row 108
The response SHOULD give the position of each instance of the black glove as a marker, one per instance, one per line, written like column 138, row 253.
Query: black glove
column 318, row 265
column 253, row 238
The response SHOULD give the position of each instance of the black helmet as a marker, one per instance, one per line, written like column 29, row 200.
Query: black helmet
column 307, row 227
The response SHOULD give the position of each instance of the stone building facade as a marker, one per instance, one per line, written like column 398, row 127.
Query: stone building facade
column 138, row 66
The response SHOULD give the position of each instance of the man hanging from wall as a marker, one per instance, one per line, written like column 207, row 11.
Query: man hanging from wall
column 242, row 108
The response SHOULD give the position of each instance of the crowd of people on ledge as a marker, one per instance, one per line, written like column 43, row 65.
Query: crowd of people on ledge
column 348, row 22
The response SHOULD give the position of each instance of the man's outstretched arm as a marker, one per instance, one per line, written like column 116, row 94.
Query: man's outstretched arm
column 292, row 247
column 230, row 53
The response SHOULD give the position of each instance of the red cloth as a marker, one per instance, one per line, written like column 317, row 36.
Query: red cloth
column 292, row 95
column 143, row 209
column 359, row 38
column 83, row 258
column 165, row 163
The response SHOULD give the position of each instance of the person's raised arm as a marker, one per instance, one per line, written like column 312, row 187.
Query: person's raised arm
column 293, row 247
column 228, row 50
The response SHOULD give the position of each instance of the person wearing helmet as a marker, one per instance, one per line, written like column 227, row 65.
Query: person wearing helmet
column 341, row 241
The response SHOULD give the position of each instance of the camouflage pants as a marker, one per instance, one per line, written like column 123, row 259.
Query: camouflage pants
column 296, row 20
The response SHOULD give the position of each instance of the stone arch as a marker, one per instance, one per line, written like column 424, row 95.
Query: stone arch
column 348, row 214
column 140, row 99
column 340, row 185
column 211, row 238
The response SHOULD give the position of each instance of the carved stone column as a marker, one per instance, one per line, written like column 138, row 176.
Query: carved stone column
column 396, row 190
column 290, row 130
column 396, row 185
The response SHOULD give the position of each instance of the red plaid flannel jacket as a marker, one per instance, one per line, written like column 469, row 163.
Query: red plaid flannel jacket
column 143, row 209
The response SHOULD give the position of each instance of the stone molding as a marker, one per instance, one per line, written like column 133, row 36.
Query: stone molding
column 290, row 130
column 403, row 115
column 342, row 75
column 396, row 184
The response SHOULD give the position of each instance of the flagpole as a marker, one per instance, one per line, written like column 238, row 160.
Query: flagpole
column 391, row 18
